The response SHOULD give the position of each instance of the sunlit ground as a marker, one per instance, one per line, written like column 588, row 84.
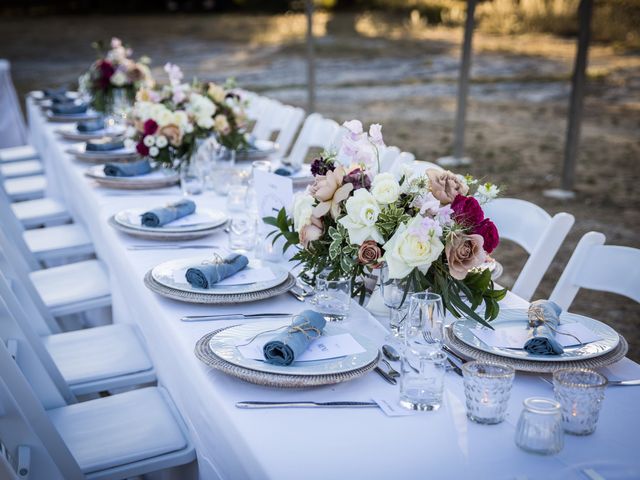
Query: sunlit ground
column 401, row 73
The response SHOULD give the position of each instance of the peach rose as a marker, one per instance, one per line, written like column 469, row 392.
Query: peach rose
column 311, row 232
column 464, row 252
column 329, row 191
column 173, row 134
column 369, row 253
column 445, row 185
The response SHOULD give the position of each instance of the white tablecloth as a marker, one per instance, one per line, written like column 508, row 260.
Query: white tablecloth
column 318, row 444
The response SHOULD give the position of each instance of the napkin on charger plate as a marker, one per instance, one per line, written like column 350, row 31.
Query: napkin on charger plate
column 291, row 343
column 104, row 144
column 54, row 92
column 544, row 320
column 92, row 125
column 68, row 108
column 205, row 276
column 286, row 170
column 160, row 216
column 130, row 169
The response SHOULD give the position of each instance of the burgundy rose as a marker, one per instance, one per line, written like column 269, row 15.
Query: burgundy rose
column 320, row 166
column 106, row 72
column 358, row 178
column 142, row 149
column 489, row 232
column 467, row 211
column 150, row 127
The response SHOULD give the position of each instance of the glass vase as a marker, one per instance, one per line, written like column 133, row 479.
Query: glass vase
column 223, row 170
column 190, row 177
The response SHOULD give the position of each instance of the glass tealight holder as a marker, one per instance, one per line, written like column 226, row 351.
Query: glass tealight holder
column 539, row 428
column 580, row 393
column 487, row 387
column 237, row 198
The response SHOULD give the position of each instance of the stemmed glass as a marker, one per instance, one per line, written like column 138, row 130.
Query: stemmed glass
column 396, row 293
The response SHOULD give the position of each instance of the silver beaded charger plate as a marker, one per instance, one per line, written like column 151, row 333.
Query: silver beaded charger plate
column 71, row 117
column 262, row 149
column 216, row 298
column 161, row 235
column 158, row 178
column 517, row 318
column 80, row 151
column 218, row 350
column 202, row 219
column 172, row 274
column 548, row 366
column 73, row 134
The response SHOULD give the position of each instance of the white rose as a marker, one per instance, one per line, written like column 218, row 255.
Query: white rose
column 188, row 128
column 408, row 249
column 205, row 122
column 216, row 92
column 221, row 123
column 385, row 188
column 361, row 217
column 162, row 141
column 149, row 140
column 164, row 118
column 302, row 210
column 153, row 151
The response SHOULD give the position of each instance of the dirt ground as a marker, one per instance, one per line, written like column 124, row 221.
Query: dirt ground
column 389, row 71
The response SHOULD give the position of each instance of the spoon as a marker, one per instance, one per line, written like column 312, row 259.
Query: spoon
column 391, row 353
column 390, row 370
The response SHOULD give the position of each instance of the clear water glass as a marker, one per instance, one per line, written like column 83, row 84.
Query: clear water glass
column 487, row 387
column 260, row 165
column 539, row 428
column 335, row 298
column 580, row 393
column 424, row 323
column 237, row 198
column 242, row 233
column 190, row 178
column 223, row 170
column 422, row 380
column 396, row 293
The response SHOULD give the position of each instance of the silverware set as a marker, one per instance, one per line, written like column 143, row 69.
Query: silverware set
column 169, row 246
column 248, row 316
column 610, row 383
column 256, row 404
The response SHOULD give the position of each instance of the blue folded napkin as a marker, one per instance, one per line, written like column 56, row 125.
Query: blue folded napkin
column 92, row 125
column 104, row 144
column 54, row 92
column 131, row 169
column 162, row 215
column 286, row 346
column 205, row 276
column 69, row 108
column 286, row 170
column 544, row 320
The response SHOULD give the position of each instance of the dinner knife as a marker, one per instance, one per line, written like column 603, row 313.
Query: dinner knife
column 232, row 316
column 254, row 404
column 385, row 375
column 622, row 383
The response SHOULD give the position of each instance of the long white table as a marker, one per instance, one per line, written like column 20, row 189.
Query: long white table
column 317, row 444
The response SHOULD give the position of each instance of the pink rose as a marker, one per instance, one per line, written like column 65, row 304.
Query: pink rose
column 173, row 134
column 488, row 231
column 369, row 253
column 464, row 252
column 445, row 185
column 467, row 211
column 311, row 232
column 329, row 191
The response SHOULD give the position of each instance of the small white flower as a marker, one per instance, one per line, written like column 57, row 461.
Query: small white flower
column 161, row 141
column 153, row 151
column 188, row 128
column 119, row 79
column 385, row 188
column 129, row 143
column 149, row 140
column 486, row 192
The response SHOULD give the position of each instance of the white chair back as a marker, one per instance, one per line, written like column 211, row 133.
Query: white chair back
column 534, row 230
column 13, row 131
column 316, row 131
column 283, row 119
column 388, row 156
column 13, row 229
column 606, row 268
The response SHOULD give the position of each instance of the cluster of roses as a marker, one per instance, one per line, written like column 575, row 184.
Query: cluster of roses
column 406, row 219
column 168, row 122
column 117, row 70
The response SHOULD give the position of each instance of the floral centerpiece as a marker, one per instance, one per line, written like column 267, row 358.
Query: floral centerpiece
column 427, row 228
column 114, row 71
column 169, row 123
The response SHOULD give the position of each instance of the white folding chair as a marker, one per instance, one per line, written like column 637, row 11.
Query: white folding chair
column 13, row 131
column 21, row 169
column 115, row 437
column 45, row 244
column 36, row 212
column 316, row 131
column 90, row 360
column 63, row 290
column 17, row 154
column 26, row 188
column 540, row 234
column 596, row 266
column 283, row 119
column 388, row 156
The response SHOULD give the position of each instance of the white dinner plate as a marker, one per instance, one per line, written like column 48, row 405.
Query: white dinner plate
column 72, row 117
column 463, row 330
column 70, row 132
column 158, row 178
column 201, row 219
column 172, row 274
column 79, row 150
column 224, row 345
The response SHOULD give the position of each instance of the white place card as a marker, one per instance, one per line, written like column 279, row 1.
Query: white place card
column 243, row 277
column 516, row 336
column 322, row 348
column 272, row 192
column 391, row 407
